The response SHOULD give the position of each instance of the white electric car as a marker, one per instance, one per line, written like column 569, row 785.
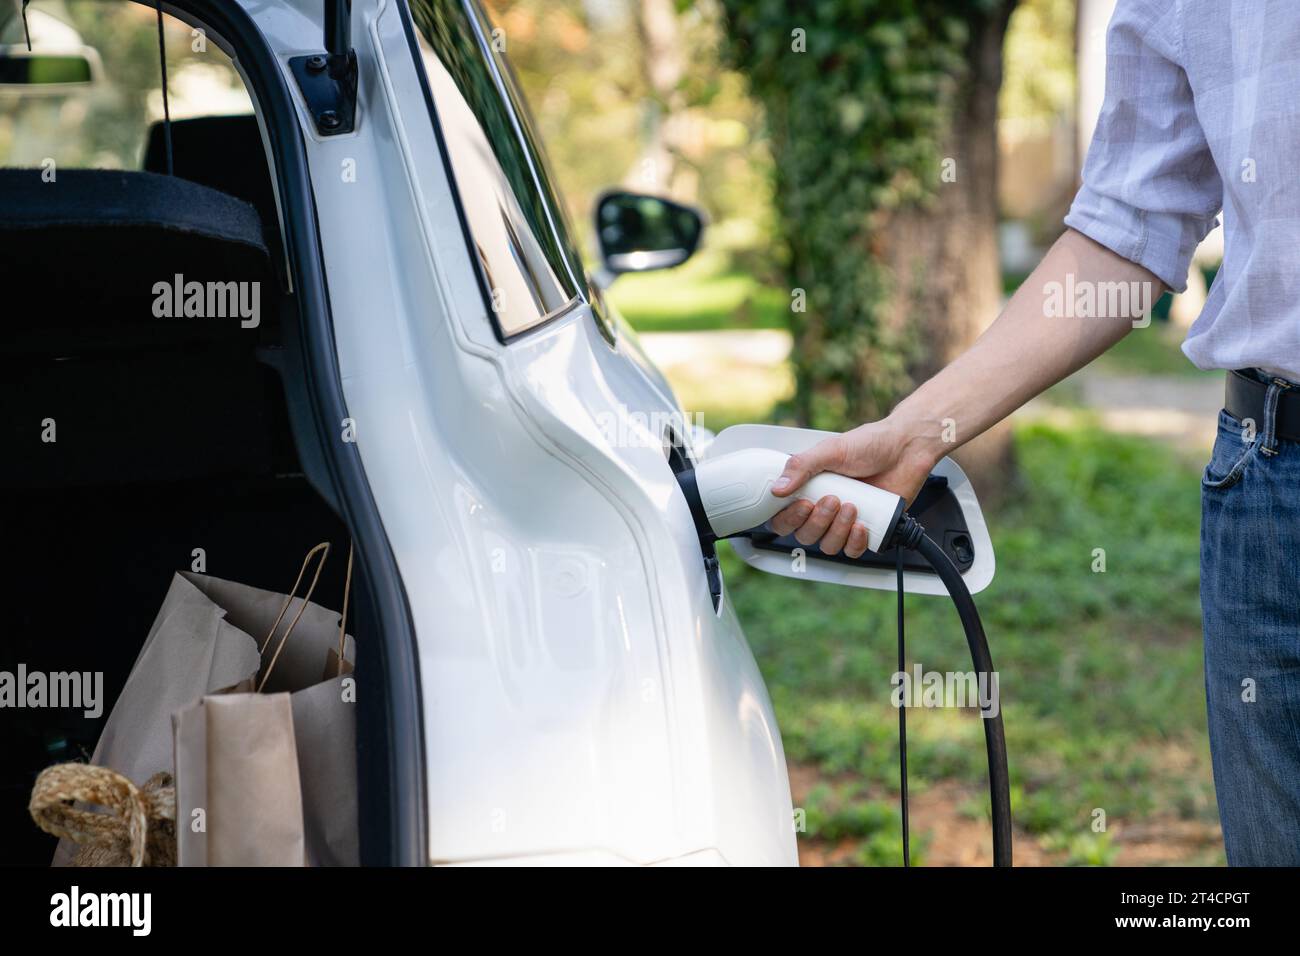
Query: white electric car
column 550, row 667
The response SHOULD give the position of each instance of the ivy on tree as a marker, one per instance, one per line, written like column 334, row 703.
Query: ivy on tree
column 859, row 97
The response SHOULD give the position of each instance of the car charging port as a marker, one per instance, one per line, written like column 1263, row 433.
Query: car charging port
column 679, row 460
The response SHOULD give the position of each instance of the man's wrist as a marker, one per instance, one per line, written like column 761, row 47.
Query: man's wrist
column 922, row 440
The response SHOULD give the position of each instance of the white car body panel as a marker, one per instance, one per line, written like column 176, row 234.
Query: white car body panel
column 583, row 701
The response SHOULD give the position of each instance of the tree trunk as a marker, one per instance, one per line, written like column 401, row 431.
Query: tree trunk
column 660, row 168
column 944, row 258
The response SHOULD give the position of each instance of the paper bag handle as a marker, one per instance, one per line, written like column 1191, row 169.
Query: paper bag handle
column 343, row 618
column 324, row 547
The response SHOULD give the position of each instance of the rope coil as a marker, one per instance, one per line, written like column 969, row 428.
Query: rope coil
column 138, row 827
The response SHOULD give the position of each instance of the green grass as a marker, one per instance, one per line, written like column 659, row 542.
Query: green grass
column 845, row 812
column 1100, row 672
column 702, row 295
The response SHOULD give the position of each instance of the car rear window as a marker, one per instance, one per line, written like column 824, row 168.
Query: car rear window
column 520, row 235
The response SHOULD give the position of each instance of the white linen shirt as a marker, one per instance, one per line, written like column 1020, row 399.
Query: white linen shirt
column 1202, row 114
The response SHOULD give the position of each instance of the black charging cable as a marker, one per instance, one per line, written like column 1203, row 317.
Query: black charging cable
column 902, row 717
column 911, row 535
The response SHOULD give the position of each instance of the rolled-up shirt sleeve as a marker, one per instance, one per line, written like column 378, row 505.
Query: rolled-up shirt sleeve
column 1151, row 191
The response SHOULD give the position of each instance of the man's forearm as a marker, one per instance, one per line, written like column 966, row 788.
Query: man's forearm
column 1045, row 333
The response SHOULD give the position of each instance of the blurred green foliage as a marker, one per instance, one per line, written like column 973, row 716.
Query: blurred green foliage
column 581, row 68
column 1038, row 82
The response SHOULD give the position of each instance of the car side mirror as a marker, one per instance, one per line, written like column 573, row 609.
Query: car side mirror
column 640, row 233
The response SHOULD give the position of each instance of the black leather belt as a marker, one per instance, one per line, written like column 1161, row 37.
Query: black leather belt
column 1244, row 397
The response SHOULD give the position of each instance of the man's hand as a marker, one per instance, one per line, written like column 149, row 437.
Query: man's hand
column 1016, row 358
column 877, row 453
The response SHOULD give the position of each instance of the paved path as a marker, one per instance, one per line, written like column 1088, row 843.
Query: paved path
column 1179, row 409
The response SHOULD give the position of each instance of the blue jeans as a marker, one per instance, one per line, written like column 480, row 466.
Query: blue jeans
column 1250, row 601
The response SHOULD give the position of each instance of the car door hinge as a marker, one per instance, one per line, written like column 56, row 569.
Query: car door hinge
column 329, row 87
column 329, row 80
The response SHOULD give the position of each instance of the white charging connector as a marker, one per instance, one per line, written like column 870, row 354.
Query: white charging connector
column 735, row 494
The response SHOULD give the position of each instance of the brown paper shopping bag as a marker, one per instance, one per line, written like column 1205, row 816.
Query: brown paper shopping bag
column 201, row 646
column 238, row 792
column 266, row 774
